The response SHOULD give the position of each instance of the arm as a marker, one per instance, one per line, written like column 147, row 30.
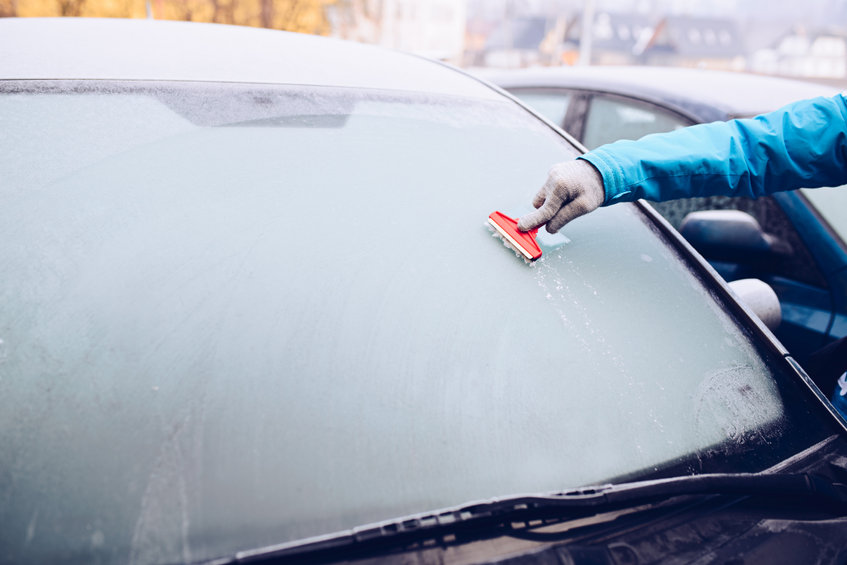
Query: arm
column 801, row 145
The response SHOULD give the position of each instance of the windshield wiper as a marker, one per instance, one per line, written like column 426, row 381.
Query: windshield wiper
column 496, row 515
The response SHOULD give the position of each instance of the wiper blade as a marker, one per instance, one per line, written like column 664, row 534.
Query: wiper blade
column 497, row 514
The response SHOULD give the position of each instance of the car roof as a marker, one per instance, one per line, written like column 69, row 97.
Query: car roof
column 704, row 94
column 114, row 49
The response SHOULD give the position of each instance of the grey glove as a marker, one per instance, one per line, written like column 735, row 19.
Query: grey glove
column 573, row 188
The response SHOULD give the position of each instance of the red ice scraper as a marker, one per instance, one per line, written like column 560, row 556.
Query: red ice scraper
column 523, row 241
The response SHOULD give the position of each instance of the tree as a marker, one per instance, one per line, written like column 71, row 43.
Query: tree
column 72, row 8
column 8, row 8
column 306, row 16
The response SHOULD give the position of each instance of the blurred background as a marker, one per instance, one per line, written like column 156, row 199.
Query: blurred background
column 774, row 37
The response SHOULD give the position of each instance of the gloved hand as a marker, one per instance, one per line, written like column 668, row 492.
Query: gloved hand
column 573, row 188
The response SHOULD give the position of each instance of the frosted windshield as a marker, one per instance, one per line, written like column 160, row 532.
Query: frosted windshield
column 234, row 317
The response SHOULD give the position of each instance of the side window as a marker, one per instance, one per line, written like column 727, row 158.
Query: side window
column 798, row 265
column 551, row 105
column 831, row 203
column 611, row 118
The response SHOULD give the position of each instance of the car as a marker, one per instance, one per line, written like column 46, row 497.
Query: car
column 252, row 312
column 806, row 258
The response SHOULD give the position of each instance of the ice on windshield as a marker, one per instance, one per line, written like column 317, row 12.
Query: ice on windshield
column 49, row 135
column 216, row 338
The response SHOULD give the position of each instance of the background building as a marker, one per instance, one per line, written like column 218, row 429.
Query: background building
column 434, row 28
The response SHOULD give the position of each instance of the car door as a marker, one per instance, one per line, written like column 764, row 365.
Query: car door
column 821, row 215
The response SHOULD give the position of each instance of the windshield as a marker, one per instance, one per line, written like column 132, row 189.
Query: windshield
column 234, row 316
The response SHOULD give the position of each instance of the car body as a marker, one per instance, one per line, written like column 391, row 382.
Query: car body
column 251, row 312
column 602, row 104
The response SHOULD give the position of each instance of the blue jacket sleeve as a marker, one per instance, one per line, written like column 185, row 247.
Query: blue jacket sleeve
column 803, row 145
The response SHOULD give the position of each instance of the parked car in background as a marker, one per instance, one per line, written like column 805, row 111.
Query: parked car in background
column 598, row 105
column 251, row 312
column 805, row 258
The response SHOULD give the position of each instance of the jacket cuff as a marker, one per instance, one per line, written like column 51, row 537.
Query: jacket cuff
column 614, row 184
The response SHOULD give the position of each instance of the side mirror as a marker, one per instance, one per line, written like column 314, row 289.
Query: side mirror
column 730, row 235
column 761, row 299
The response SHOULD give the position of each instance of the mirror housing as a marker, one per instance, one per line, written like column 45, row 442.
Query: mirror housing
column 761, row 299
column 730, row 235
